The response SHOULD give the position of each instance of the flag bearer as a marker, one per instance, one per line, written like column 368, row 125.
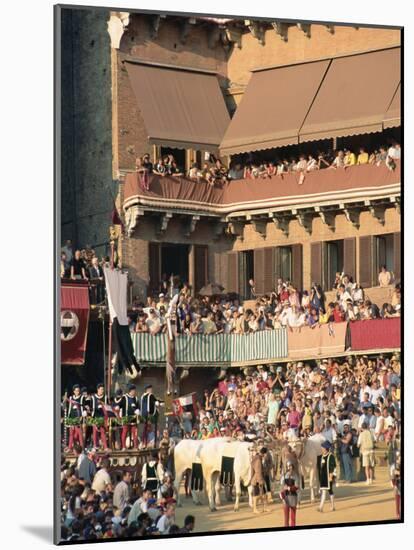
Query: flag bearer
column 130, row 412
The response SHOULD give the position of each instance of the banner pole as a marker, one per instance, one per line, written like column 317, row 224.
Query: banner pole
column 110, row 330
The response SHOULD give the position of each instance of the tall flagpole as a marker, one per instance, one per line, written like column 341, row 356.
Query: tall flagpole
column 110, row 332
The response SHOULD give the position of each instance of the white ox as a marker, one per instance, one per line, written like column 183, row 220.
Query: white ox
column 185, row 454
column 307, row 451
column 211, row 454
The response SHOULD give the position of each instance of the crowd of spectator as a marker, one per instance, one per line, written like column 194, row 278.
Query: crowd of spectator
column 94, row 507
column 216, row 173
column 84, row 265
column 287, row 306
column 355, row 403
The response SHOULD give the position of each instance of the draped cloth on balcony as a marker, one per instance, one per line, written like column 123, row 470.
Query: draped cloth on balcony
column 321, row 341
column 376, row 334
column 234, row 349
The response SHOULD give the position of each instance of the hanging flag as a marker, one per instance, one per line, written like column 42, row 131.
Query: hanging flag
column 74, row 320
column 116, row 284
column 186, row 403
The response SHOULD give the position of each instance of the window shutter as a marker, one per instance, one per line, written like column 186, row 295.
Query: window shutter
column 269, row 270
column 277, row 268
column 350, row 257
column 232, row 272
column 297, row 266
column 259, row 274
column 200, row 266
column 316, row 263
column 365, row 261
column 154, row 266
column 397, row 257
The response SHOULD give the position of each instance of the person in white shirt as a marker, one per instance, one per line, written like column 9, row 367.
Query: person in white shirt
column 328, row 432
column 140, row 506
column 379, row 426
column 102, row 480
column 343, row 296
column 284, row 314
column 166, row 520
column 394, row 151
column 312, row 164
column 153, row 322
column 376, row 392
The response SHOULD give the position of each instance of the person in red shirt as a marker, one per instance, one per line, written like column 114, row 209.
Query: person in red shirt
column 293, row 417
column 261, row 384
column 338, row 314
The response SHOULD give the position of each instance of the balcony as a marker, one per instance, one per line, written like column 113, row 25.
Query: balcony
column 272, row 346
column 278, row 199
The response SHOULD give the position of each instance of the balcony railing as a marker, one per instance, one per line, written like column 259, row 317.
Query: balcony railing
column 270, row 346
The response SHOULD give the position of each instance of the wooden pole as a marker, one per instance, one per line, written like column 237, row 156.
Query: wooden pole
column 110, row 332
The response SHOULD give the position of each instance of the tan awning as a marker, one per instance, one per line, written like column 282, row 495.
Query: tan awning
column 354, row 95
column 180, row 108
column 393, row 115
column 273, row 107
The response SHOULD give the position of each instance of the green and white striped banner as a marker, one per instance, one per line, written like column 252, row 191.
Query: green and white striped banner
column 266, row 345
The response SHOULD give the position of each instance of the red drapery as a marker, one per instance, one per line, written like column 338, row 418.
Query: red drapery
column 74, row 319
column 375, row 334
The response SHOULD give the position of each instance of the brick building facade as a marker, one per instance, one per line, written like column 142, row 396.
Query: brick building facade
column 104, row 131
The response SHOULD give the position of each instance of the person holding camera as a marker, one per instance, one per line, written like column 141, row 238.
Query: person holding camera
column 290, row 484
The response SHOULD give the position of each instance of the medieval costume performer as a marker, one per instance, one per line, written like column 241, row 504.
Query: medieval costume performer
column 257, row 482
column 74, row 417
column 149, row 412
column 268, row 466
column 290, row 484
column 327, row 474
column 99, row 417
column 152, row 474
column 130, row 412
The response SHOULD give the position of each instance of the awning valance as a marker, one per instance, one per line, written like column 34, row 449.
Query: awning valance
column 354, row 96
column 393, row 115
column 273, row 108
column 180, row 108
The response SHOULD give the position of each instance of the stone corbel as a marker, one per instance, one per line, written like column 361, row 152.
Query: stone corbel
column 256, row 29
column 185, row 31
column 378, row 212
column 131, row 218
column 235, row 229
column 260, row 226
column 154, row 23
column 305, row 27
column 330, row 28
column 190, row 227
column 234, row 36
column 218, row 230
column 304, row 219
column 328, row 218
column 281, row 223
column 165, row 220
column 117, row 24
column 396, row 201
column 352, row 215
column 281, row 29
